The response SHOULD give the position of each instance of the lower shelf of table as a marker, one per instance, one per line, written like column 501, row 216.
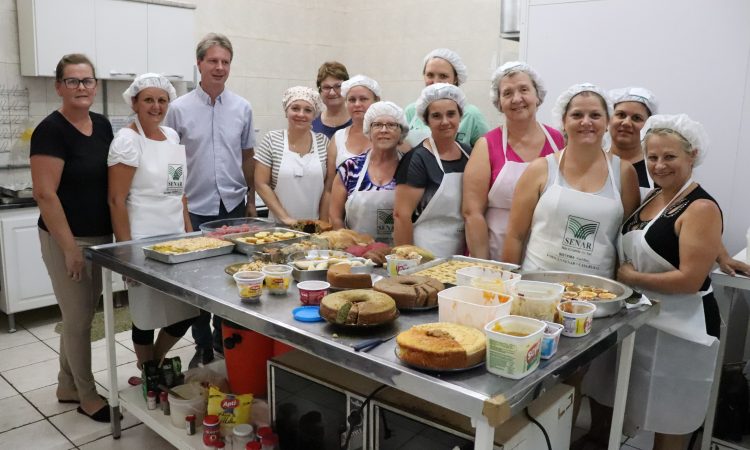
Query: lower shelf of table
column 132, row 400
column 720, row 444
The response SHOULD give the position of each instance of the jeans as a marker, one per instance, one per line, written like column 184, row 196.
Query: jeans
column 201, row 327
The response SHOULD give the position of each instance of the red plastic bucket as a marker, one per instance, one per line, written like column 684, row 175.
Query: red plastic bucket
column 246, row 353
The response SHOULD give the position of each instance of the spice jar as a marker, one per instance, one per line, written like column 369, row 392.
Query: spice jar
column 151, row 400
column 164, row 400
column 190, row 424
column 254, row 445
column 211, row 431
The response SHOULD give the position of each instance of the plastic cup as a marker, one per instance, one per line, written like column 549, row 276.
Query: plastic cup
column 576, row 317
column 396, row 265
column 514, row 346
column 278, row 277
column 249, row 285
column 535, row 299
column 312, row 292
column 550, row 339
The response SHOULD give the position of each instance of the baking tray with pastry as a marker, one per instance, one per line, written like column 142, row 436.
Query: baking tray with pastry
column 187, row 249
column 314, row 264
column 608, row 295
column 444, row 269
column 223, row 227
column 249, row 243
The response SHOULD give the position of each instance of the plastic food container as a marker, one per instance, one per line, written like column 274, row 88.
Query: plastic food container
column 535, row 299
column 472, row 307
column 514, row 346
column 396, row 265
column 312, row 292
column 278, row 277
column 550, row 339
column 249, row 285
column 476, row 275
column 194, row 403
column 576, row 317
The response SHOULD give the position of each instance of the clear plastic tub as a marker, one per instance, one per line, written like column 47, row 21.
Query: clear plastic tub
column 395, row 265
column 470, row 276
column 551, row 339
column 249, row 285
column 535, row 299
column 195, row 402
column 278, row 277
column 514, row 346
column 472, row 307
column 576, row 317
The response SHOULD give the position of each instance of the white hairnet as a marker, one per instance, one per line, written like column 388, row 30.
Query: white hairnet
column 514, row 67
column 386, row 108
column 453, row 58
column 360, row 80
column 686, row 127
column 303, row 93
column 636, row 94
column 148, row 80
column 439, row 91
column 558, row 111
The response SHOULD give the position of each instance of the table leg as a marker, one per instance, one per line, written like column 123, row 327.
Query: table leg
column 484, row 437
column 624, row 360
column 708, row 425
column 109, row 335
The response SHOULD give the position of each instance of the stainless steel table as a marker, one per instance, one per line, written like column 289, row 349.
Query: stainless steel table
column 489, row 400
column 725, row 290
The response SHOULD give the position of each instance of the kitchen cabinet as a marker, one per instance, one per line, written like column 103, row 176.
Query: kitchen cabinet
column 123, row 38
column 25, row 282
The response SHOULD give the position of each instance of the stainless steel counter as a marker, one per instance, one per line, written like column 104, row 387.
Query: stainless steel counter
column 475, row 393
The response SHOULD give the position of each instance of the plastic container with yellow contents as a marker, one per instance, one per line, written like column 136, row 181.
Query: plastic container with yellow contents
column 472, row 307
column 278, row 277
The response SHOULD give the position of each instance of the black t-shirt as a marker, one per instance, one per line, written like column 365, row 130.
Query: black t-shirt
column 83, row 183
column 418, row 168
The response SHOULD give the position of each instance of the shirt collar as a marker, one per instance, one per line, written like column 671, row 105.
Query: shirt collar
column 207, row 98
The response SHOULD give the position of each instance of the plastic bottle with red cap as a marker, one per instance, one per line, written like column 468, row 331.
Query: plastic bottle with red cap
column 255, row 445
column 269, row 442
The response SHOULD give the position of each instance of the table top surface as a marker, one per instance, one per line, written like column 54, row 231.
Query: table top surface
column 203, row 283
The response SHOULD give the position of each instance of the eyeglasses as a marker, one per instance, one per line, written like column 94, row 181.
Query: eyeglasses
column 390, row 126
column 73, row 83
column 336, row 87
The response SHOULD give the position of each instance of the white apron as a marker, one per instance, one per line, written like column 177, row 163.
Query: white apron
column 300, row 183
column 440, row 227
column 418, row 132
column 155, row 208
column 674, row 359
column 500, row 196
column 574, row 231
column 370, row 212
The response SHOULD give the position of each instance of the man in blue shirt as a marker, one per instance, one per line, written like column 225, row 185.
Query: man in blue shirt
column 216, row 127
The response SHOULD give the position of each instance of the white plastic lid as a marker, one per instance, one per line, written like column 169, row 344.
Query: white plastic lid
column 243, row 430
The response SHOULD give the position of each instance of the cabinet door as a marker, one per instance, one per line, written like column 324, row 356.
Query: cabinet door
column 27, row 284
column 121, row 39
column 171, row 42
column 49, row 29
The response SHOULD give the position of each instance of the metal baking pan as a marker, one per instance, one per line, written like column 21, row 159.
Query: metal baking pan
column 250, row 249
column 322, row 274
column 214, row 228
column 436, row 262
column 604, row 308
column 189, row 256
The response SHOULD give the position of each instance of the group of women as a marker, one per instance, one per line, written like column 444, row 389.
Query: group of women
column 523, row 192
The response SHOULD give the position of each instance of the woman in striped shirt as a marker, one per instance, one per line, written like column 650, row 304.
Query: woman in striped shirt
column 295, row 169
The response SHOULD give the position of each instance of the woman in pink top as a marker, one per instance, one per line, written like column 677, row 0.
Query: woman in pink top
column 516, row 91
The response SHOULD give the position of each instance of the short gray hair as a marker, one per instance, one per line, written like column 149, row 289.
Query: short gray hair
column 209, row 41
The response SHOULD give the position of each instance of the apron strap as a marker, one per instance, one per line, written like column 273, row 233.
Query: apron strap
column 504, row 132
column 433, row 150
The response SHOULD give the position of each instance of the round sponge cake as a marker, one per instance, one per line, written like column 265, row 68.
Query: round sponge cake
column 358, row 307
column 442, row 345
column 411, row 291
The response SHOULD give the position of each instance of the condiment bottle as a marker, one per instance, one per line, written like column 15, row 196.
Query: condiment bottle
column 211, row 432
column 269, row 442
column 264, row 432
column 241, row 435
column 151, row 399
column 190, row 424
column 164, row 400
column 254, row 445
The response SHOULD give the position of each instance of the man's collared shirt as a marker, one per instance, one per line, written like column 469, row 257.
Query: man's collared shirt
column 214, row 137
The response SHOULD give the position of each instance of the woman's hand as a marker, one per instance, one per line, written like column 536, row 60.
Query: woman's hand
column 626, row 274
column 732, row 266
column 289, row 221
column 74, row 263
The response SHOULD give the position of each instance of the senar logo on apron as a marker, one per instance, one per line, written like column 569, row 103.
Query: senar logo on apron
column 385, row 222
column 580, row 234
column 175, row 179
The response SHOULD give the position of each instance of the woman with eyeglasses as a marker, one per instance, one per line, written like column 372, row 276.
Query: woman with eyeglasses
column 360, row 92
column 430, row 177
column 69, row 172
column 363, row 194
column 294, row 168
column 331, row 76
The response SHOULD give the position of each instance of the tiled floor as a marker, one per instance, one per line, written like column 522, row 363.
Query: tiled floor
column 33, row 419
column 28, row 379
